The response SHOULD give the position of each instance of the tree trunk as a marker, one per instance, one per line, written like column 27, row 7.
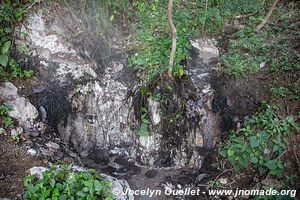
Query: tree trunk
column 174, row 35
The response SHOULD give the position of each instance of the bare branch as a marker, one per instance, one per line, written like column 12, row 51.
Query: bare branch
column 174, row 40
column 262, row 24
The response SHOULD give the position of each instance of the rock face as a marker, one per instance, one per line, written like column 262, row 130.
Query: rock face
column 99, row 116
column 23, row 111
column 205, row 56
column 90, row 105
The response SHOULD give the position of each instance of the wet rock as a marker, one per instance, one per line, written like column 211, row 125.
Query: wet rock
column 200, row 177
column 99, row 156
column 97, row 101
column 59, row 60
column 151, row 173
column 99, row 117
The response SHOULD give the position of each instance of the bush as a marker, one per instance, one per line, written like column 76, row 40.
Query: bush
column 10, row 14
column 261, row 143
column 62, row 183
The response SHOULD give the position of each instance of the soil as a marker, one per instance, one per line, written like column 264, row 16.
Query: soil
column 14, row 165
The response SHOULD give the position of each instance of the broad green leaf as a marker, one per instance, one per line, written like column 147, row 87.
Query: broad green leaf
column 3, row 60
column 254, row 160
column 244, row 162
column 275, row 148
column 230, row 152
column 254, row 142
column 8, row 30
column 6, row 47
column 271, row 164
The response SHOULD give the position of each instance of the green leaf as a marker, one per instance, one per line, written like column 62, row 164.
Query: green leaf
column 271, row 164
column 254, row 160
column 6, row 47
column 230, row 152
column 254, row 142
column 8, row 30
column 3, row 60
column 244, row 162
column 275, row 148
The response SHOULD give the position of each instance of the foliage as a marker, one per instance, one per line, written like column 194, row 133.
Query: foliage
column 145, row 123
column 153, row 32
column 238, row 7
column 155, row 42
column 246, row 53
column 10, row 14
column 62, row 183
column 260, row 143
column 6, row 120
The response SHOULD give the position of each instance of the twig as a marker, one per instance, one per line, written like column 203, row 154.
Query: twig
column 262, row 24
column 174, row 39
column 31, row 5
column 227, row 170
column 243, row 16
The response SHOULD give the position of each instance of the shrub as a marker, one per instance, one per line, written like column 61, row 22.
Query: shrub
column 10, row 14
column 261, row 143
column 62, row 183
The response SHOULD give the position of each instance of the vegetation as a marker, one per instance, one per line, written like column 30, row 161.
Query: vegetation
column 11, row 12
column 62, row 183
column 153, row 32
column 261, row 143
column 6, row 121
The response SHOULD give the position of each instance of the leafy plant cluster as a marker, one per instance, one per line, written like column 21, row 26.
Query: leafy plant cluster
column 293, row 91
column 246, row 53
column 153, row 32
column 62, row 183
column 250, row 49
column 145, row 123
column 11, row 12
column 261, row 143
column 6, row 121
column 154, row 39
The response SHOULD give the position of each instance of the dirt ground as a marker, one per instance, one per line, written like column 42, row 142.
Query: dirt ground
column 15, row 162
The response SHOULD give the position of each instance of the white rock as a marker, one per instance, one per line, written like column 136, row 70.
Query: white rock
column 23, row 111
column 3, row 131
column 119, row 187
column 32, row 152
column 52, row 145
column 37, row 171
column 154, row 111
column 8, row 90
column 207, row 49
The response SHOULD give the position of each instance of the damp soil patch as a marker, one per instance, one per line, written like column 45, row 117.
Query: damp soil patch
column 14, row 165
